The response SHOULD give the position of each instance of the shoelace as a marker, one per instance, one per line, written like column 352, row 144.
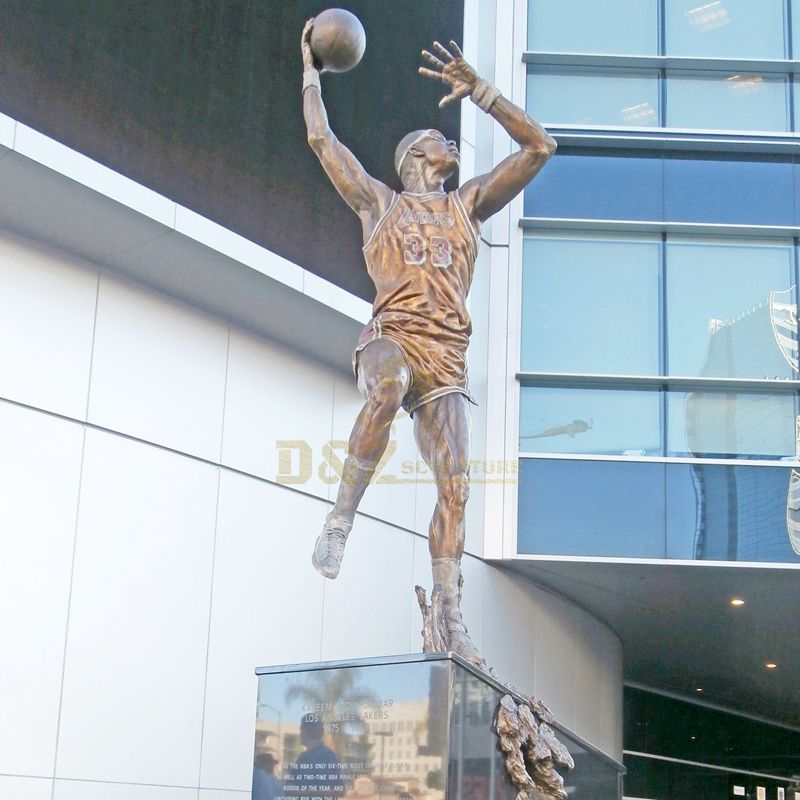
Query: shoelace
column 334, row 543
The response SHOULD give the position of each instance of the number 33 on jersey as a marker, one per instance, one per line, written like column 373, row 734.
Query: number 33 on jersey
column 421, row 257
column 440, row 249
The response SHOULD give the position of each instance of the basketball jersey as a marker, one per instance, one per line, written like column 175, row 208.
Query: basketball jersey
column 421, row 257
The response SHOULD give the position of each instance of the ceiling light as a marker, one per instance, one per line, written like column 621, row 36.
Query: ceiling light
column 737, row 601
column 771, row 665
column 698, row 689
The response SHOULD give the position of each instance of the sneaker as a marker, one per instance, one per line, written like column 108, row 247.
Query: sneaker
column 329, row 548
column 460, row 643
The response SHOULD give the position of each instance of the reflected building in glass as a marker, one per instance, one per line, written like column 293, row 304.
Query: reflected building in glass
column 740, row 511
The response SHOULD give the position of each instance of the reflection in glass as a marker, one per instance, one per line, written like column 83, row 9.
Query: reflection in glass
column 727, row 101
column 729, row 190
column 623, row 187
column 591, row 508
column 594, row 97
column 592, row 421
column 725, row 28
column 627, row 509
column 739, row 513
column 566, row 329
column 723, row 316
column 717, row 424
column 674, row 188
column 623, row 27
column 403, row 728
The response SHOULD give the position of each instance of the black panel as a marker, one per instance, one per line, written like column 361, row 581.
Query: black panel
column 200, row 100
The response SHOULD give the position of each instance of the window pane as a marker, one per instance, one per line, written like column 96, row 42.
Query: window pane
column 626, row 27
column 724, row 101
column 626, row 509
column 590, row 421
column 591, row 508
column 596, row 97
column 715, row 424
column 729, row 513
column 719, row 189
column 598, row 187
column 728, row 190
column 590, row 305
column 731, row 310
column 725, row 28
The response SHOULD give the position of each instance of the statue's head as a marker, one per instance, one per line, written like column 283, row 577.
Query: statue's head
column 425, row 149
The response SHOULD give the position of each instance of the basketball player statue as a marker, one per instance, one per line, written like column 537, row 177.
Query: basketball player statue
column 420, row 247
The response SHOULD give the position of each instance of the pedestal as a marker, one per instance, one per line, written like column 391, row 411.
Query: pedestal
column 404, row 727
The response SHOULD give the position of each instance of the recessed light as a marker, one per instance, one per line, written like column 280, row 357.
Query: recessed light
column 698, row 690
column 693, row 738
column 737, row 601
column 771, row 665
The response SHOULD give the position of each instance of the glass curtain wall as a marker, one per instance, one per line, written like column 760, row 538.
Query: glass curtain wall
column 659, row 372
column 720, row 65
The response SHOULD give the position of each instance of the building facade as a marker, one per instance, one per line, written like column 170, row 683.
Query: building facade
column 175, row 402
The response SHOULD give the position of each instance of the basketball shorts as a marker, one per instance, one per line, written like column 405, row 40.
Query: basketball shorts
column 437, row 366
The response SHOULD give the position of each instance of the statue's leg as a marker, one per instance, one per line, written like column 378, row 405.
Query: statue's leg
column 385, row 378
column 442, row 431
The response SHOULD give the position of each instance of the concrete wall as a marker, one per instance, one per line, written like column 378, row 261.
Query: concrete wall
column 151, row 555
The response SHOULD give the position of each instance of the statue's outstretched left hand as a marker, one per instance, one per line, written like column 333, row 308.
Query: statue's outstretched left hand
column 453, row 70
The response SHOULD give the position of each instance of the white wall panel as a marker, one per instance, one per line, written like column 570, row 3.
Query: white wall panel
column 266, row 610
column 391, row 495
column 47, row 308
column 136, row 649
column 598, row 684
column 511, row 631
column 158, row 370
column 556, row 655
column 366, row 610
column 278, row 408
column 40, row 459
column 25, row 788
column 85, row 790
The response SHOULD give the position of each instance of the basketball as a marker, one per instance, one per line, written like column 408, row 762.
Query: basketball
column 338, row 40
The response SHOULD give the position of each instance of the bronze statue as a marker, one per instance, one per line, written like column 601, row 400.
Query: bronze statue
column 420, row 247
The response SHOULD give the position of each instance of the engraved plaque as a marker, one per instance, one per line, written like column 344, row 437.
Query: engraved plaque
column 408, row 727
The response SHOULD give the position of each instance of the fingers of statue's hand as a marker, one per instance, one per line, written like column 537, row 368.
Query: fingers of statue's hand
column 456, row 49
column 430, row 73
column 431, row 58
column 443, row 51
column 306, row 38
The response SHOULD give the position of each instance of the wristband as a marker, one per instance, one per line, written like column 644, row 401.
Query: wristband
column 311, row 78
column 484, row 95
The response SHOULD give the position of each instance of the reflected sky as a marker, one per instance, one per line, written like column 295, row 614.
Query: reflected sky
column 718, row 308
column 575, row 26
column 564, row 326
column 731, row 308
column 666, row 187
column 654, row 510
column 724, row 28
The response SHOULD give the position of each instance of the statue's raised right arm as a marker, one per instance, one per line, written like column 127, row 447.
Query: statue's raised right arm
column 366, row 195
column 487, row 194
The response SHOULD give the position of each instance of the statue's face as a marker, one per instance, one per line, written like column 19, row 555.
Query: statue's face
column 440, row 153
